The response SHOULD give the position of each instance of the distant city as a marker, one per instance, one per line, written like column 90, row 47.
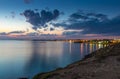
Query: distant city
column 93, row 41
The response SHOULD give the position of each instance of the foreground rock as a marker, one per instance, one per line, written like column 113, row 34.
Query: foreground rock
column 101, row 64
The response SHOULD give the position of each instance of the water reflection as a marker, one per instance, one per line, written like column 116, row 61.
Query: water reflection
column 86, row 48
column 45, row 56
column 70, row 47
column 27, row 58
column 81, row 48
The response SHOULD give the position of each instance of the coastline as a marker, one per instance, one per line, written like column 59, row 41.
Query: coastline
column 103, row 63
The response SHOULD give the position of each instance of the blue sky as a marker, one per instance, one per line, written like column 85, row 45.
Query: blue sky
column 11, row 20
column 110, row 7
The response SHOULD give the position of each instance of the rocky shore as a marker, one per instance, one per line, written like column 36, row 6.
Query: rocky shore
column 101, row 64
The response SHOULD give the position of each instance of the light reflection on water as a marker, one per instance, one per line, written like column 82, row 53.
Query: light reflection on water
column 27, row 58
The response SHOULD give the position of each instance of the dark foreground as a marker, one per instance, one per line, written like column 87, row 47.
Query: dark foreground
column 101, row 64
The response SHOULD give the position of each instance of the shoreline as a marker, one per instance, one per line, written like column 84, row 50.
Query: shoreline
column 103, row 63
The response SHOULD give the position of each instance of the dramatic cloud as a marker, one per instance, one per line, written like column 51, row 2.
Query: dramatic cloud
column 39, row 20
column 92, row 23
column 81, row 22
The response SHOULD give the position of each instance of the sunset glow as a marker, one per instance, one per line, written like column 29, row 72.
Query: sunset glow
column 77, row 22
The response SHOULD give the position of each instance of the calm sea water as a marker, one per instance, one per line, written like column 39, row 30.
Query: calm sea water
column 28, row 58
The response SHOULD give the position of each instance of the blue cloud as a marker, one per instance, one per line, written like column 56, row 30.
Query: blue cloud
column 39, row 20
column 92, row 23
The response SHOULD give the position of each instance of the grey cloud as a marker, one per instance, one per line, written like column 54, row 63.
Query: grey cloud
column 52, row 29
column 12, row 32
column 92, row 23
column 33, row 34
column 3, row 33
column 27, row 1
column 16, row 32
column 71, row 33
column 39, row 20
column 81, row 16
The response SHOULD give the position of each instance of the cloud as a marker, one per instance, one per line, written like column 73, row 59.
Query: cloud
column 72, row 32
column 92, row 23
column 12, row 32
column 3, row 33
column 27, row 1
column 39, row 20
column 13, row 14
column 52, row 29
column 33, row 34
column 16, row 32
column 86, row 16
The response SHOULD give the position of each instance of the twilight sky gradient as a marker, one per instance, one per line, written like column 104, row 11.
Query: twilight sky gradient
column 73, row 19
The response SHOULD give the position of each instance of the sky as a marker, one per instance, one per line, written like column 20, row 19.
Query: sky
column 60, row 18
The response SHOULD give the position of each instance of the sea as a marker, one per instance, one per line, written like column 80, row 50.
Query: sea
column 25, row 58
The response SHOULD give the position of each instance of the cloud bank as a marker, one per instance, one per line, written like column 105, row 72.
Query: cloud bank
column 92, row 23
column 12, row 32
column 82, row 23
